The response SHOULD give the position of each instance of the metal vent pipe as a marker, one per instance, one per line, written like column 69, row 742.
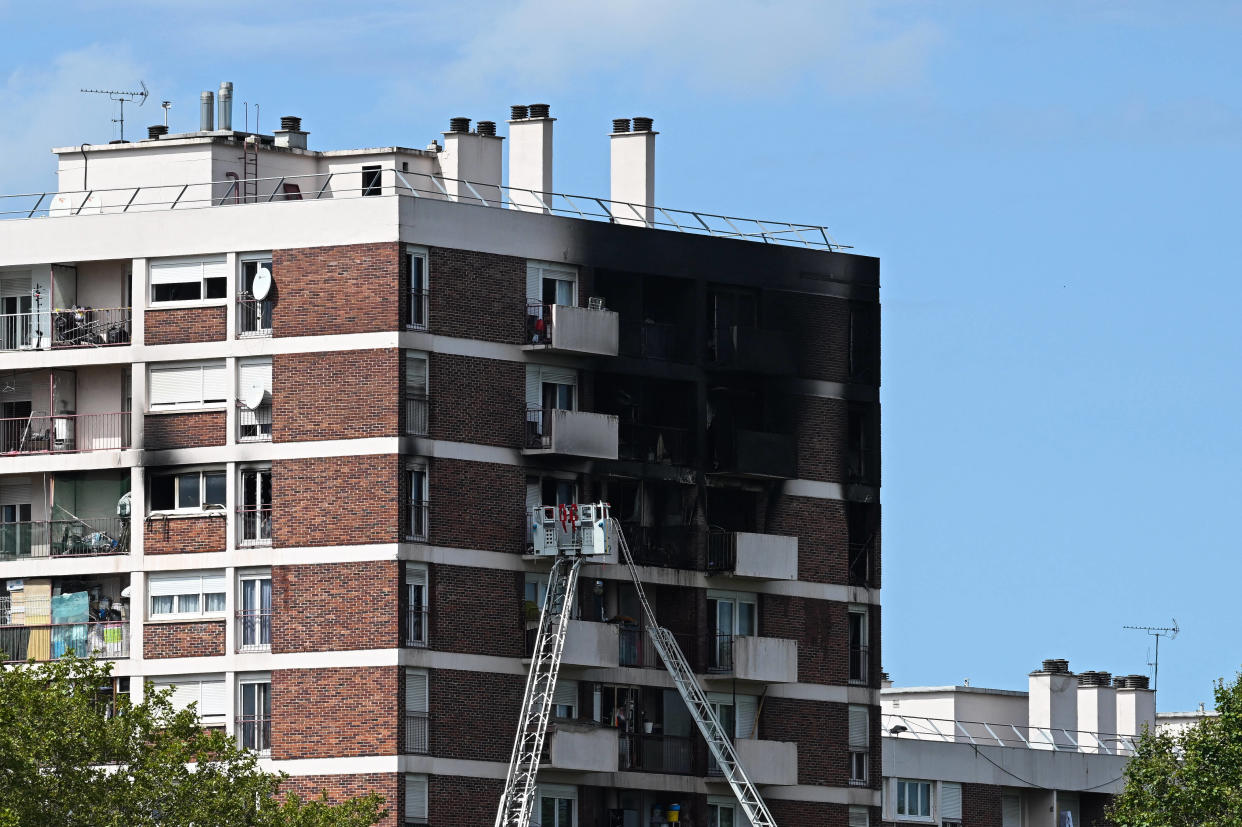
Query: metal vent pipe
column 225, row 102
column 206, row 112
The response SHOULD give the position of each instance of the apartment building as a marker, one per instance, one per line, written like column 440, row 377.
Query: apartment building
column 275, row 418
column 1053, row 756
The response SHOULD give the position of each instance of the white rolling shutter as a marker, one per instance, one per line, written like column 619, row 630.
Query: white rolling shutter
column 177, row 272
column 11, row 287
column 859, row 817
column 175, row 385
column 207, row 693
column 745, row 708
column 415, row 691
column 416, row 798
column 534, row 494
column 416, row 374
column 859, row 727
column 415, row 575
column 215, row 385
column 185, row 692
column 561, row 376
column 214, row 582
column 163, row 585
column 534, row 284
column 950, row 800
column 534, row 394
column 14, row 490
column 565, row 693
column 255, row 372
column 1011, row 811
column 214, row 700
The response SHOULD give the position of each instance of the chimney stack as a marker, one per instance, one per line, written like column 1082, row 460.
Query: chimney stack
column 1052, row 706
column 530, row 157
column 290, row 133
column 473, row 157
column 156, row 131
column 206, row 112
column 1136, row 705
column 225, row 101
column 1097, row 712
column 633, row 172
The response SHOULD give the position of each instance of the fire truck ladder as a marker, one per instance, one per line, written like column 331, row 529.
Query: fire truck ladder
column 518, row 800
column 696, row 701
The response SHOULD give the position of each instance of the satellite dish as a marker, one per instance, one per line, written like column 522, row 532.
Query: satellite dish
column 253, row 395
column 262, row 284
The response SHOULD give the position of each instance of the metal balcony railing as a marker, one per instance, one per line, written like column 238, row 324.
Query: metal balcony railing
column 636, row 649
column 254, row 733
column 417, row 735
column 83, row 537
column 859, row 666
column 721, row 550
column 996, row 734
column 641, row 752
column 41, row 433
column 418, row 515
column 90, row 326
column 51, row 641
column 676, row 547
column 416, row 627
column 254, row 525
column 254, row 424
column 416, row 411
column 254, row 630
column 416, row 305
column 539, row 427
column 860, row 563
column 720, row 653
column 254, row 317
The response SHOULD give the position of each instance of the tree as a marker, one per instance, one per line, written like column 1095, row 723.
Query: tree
column 1191, row 780
column 71, row 755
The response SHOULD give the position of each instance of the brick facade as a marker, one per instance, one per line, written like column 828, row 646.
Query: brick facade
column 341, row 787
column 981, row 805
column 185, row 325
column 173, row 535
column 184, row 430
column 818, row 328
column 467, row 802
column 811, row 812
column 821, row 731
column 323, row 291
column 820, row 429
column 324, row 501
column 822, row 532
column 462, row 491
column 480, row 728
column 348, row 394
column 477, row 400
column 477, row 295
column 335, row 712
column 491, row 598
column 196, row 639
column 335, row 606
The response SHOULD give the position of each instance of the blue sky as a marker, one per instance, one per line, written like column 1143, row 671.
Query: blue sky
column 1051, row 187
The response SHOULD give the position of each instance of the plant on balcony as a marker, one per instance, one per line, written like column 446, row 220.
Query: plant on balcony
column 72, row 756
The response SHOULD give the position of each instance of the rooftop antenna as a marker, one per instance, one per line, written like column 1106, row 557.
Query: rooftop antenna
column 121, row 96
column 166, row 105
column 1157, row 632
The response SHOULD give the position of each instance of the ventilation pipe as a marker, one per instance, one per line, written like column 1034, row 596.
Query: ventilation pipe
column 472, row 158
column 1136, row 705
column 1097, row 712
column 633, row 172
column 530, row 157
column 225, row 102
column 1052, row 706
column 206, row 112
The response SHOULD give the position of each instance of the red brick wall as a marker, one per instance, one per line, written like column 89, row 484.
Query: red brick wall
column 785, row 811
column 821, row 629
column 335, row 500
column 490, row 598
column 336, row 712
column 339, row 395
column 473, row 715
column 822, row 532
column 821, row 731
column 335, row 606
column 477, row 400
column 820, row 429
column 200, row 639
column 346, row 289
column 184, row 534
column 819, row 331
column 467, row 802
column 184, row 430
column 981, row 805
column 477, row 295
column 477, row 505
column 340, row 787
column 185, row 324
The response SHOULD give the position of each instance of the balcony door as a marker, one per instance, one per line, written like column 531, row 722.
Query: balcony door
column 735, row 616
column 256, row 612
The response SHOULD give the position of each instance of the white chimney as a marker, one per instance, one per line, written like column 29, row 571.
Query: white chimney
column 1136, row 705
column 1097, row 712
column 633, row 172
column 1052, row 710
column 530, row 157
column 470, row 162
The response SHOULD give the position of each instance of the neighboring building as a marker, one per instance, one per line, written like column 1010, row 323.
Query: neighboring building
column 963, row 756
column 1176, row 723
column 274, row 420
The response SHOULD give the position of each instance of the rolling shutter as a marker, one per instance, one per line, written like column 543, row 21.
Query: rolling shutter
column 20, row 383
column 1011, row 811
column 744, row 711
column 416, row 374
column 566, row 694
column 164, row 585
column 534, row 495
column 180, row 385
column 950, row 800
column 207, row 693
column 416, row 798
column 859, row 817
column 215, row 384
column 178, row 272
column 859, row 727
column 214, row 702
column 415, row 691
column 255, row 371
column 13, row 287
column 214, row 582
column 14, row 490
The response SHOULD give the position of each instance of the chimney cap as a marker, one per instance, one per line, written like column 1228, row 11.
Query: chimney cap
column 540, row 110
column 487, row 128
column 620, row 125
column 642, row 124
column 459, row 124
column 519, row 112
column 290, row 123
column 1056, row 666
column 156, row 130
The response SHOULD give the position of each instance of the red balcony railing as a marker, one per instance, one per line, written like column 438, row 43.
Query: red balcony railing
column 41, row 433
column 51, row 641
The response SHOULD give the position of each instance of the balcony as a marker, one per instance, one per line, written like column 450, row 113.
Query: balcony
column 751, row 349
column 675, row 547
column 640, row 752
column 254, row 525
column 570, row 433
column 759, row 454
column 417, row 733
column 591, row 644
column 416, row 411
column 750, row 658
column 756, row 556
column 70, row 328
column 254, row 424
column 661, row 444
column 637, row 650
column 82, row 537
column 657, row 340
column 41, row 433
column 254, row 630
column 254, row 733
column 582, row 747
column 765, row 762
column 254, row 317
column 569, row 329
column 51, row 641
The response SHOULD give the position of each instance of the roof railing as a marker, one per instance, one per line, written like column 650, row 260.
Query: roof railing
column 391, row 181
column 1022, row 736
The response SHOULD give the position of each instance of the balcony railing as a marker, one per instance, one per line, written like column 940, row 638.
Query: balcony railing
column 676, row 547
column 653, row 443
column 254, row 630
column 254, row 525
column 720, row 653
column 416, row 627
column 575, row 433
column 73, row 327
column 416, row 410
column 860, row 563
column 41, row 433
column 254, row 733
column 859, row 671
column 417, row 741
column 1000, row 734
column 573, row 329
column 416, row 302
column 17, row 331
column 84, row 537
column 721, row 551
column 636, row 648
column 254, row 424
column 254, row 317
column 51, row 641
column 418, row 514
column 656, row 753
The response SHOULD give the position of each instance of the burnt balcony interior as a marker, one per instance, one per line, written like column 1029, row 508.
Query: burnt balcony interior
column 65, row 305
column 45, row 618
column 655, row 417
column 65, row 410
column 736, row 338
column 657, row 314
column 68, row 514
column 750, row 429
column 863, row 526
column 862, row 444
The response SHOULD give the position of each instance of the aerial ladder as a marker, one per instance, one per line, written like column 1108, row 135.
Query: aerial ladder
column 568, row 533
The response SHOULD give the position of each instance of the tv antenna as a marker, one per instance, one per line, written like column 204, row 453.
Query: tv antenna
column 1157, row 632
column 121, row 96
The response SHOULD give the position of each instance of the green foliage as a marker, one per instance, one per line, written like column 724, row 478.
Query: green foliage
column 65, row 759
column 1192, row 780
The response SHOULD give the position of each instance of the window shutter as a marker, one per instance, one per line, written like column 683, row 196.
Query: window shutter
column 185, row 691
column 175, row 385
column 174, row 272
column 214, row 702
column 745, row 709
column 415, row 691
column 214, row 384
column 534, row 388
column 252, row 371
column 215, row 269
column 14, row 490
column 566, row 693
column 21, row 389
column 859, row 817
column 11, row 287
column 214, row 582
column 416, row 374
column 950, row 800
column 534, row 284
column 162, row 585
column 1011, row 811
column 534, row 496
column 858, row 727
column 561, row 376
column 416, row 798
column 415, row 575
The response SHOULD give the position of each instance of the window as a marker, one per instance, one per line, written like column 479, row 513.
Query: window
column 558, row 805
column 535, row 589
column 950, row 804
column 416, row 605
column 913, row 799
column 547, row 389
column 416, row 483
column 205, row 691
column 254, row 506
column 547, row 285
column 860, row 743
column 254, row 724
column 371, row 180
column 186, row 385
column 416, row 739
column 254, row 612
column 416, row 266
column 858, row 645
column 186, row 593
column 415, row 799
column 735, row 614
column 254, row 316
column 565, row 699
column 189, row 491
column 416, row 393
column 254, row 399
column 189, row 280
column 721, row 812
column 860, row 817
